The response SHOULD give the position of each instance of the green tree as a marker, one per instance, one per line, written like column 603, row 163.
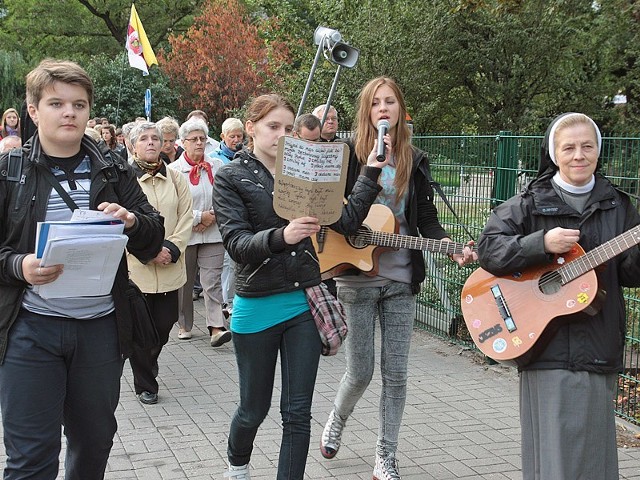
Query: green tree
column 294, row 22
column 514, row 66
column 620, row 25
column 120, row 89
column 222, row 60
column 80, row 28
column 12, row 73
column 463, row 65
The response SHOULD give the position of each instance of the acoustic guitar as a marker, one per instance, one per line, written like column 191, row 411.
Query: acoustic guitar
column 507, row 315
column 377, row 234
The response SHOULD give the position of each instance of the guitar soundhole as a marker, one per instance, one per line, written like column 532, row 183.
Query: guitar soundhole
column 360, row 239
column 550, row 283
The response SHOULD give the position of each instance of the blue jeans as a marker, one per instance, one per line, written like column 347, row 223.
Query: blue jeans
column 57, row 372
column 395, row 306
column 299, row 345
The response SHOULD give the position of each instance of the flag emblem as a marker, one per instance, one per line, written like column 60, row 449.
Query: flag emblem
column 139, row 49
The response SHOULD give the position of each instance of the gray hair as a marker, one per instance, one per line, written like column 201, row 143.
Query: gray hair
column 319, row 110
column 169, row 125
column 232, row 124
column 7, row 140
column 93, row 133
column 307, row 120
column 141, row 127
column 192, row 125
column 126, row 129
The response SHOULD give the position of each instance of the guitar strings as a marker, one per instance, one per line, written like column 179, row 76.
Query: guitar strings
column 584, row 263
column 405, row 241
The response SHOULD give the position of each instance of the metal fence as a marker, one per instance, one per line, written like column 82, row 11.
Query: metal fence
column 477, row 172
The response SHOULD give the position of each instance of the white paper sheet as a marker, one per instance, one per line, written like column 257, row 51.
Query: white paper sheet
column 90, row 265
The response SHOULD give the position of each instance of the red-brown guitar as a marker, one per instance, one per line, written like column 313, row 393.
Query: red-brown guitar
column 507, row 315
column 378, row 233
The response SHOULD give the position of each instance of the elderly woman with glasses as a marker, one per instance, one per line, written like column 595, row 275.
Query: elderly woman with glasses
column 205, row 249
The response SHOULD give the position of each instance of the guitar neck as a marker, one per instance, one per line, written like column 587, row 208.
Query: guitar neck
column 393, row 240
column 599, row 255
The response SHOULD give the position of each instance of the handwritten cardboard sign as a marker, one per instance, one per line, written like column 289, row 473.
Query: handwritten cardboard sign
column 310, row 179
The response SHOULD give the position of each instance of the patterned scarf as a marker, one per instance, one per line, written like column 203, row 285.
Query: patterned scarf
column 194, row 174
column 148, row 167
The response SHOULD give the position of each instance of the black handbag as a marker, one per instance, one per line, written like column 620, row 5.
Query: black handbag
column 145, row 333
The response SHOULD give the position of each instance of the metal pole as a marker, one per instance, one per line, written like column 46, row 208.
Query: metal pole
column 124, row 60
column 311, row 73
column 334, row 86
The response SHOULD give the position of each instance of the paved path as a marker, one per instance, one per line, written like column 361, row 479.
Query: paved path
column 461, row 419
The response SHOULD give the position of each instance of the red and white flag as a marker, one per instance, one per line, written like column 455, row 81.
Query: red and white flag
column 139, row 49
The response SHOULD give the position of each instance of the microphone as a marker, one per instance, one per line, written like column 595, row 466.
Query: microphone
column 383, row 128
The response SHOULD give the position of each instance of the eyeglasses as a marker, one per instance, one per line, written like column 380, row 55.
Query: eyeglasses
column 196, row 139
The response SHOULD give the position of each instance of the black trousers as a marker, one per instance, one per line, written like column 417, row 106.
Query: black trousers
column 59, row 371
column 144, row 363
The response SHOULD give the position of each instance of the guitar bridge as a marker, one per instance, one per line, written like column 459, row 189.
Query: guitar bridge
column 503, row 308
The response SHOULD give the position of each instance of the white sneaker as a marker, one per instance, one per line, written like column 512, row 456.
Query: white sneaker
column 183, row 334
column 238, row 472
column 386, row 468
column 332, row 435
column 220, row 338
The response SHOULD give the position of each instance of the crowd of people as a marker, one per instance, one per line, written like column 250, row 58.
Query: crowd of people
column 199, row 217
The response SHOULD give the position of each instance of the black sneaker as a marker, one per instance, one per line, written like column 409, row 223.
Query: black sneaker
column 148, row 398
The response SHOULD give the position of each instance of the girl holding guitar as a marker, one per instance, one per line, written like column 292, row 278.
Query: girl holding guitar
column 389, row 296
column 567, row 385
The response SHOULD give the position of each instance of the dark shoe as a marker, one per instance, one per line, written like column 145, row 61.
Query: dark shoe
column 196, row 294
column 148, row 398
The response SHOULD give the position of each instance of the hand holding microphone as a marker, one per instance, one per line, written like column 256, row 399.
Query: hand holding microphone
column 383, row 129
column 378, row 154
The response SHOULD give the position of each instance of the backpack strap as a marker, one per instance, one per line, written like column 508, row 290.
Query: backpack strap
column 53, row 181
column 15, row 163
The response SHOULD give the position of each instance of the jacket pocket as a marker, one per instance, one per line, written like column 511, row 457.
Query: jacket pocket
column 259, row 185
column 312, row 256
column 253, row 274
